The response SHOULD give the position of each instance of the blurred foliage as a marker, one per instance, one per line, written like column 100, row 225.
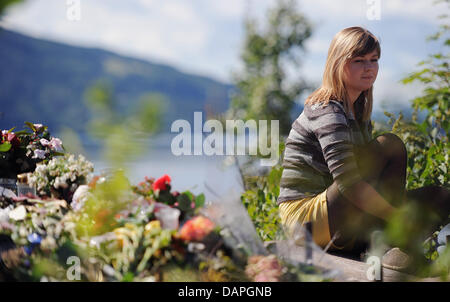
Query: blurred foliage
column 5, row 3
column 121, row 130
column 263, row 92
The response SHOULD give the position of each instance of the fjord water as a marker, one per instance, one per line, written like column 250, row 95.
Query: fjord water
column 188, row 172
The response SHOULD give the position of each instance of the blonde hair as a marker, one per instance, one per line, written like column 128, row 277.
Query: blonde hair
column 347, row 44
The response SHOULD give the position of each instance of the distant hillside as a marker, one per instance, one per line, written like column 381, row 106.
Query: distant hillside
column 43, row 81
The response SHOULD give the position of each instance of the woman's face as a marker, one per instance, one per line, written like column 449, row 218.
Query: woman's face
column 361, row 72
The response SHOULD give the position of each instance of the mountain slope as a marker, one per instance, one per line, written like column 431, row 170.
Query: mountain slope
column 45, row 82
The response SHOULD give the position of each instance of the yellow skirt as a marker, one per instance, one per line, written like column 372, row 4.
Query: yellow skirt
column 310, row 209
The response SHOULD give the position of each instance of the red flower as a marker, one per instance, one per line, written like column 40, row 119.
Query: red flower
column 160, row 183
column 196, row 229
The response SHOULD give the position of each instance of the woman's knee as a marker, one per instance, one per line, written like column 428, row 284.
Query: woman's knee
column 392, row 145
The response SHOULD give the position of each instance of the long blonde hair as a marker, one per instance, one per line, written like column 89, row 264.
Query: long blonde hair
column 347, row 44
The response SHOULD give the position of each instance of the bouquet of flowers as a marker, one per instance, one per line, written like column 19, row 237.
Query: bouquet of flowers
column 21, row 151
column 61, row 176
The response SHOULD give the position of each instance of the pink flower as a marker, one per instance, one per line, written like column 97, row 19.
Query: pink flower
column 56, row 144
column 37, row 126
column 13, row 139
column 39, row 154
column 264, row 268
column 44, row 142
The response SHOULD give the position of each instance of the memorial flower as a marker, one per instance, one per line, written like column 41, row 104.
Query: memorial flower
column 61, row 176
column 134, row 238
column 196, row 229
column 20, row 151
column 264, row 268
column 161, row 183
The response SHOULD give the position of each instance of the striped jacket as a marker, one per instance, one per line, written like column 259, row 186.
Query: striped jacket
column 320, row 149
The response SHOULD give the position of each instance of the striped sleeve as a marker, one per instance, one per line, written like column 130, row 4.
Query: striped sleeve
column 330, row 126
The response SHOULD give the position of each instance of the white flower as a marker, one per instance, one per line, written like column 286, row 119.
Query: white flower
column 80, row 196
column 62, row 172
column 60, row 182
column 4, row 215
column 37, row 126
column 39, row 154
column 40, row 169
column 18, row 213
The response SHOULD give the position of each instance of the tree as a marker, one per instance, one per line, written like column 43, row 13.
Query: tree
column 263, row 92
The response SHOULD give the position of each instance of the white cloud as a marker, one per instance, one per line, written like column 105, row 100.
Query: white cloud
column 178, row 11
column 418, row 9
column 330, row 10
column 233, row 9
column 160, row 32
column 205, row 36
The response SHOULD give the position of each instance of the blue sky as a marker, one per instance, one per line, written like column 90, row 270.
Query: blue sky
column 205, row 36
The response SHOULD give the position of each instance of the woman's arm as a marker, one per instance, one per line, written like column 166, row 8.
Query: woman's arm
column 366, row 198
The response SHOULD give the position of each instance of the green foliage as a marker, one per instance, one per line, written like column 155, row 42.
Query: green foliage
column 428, row 142
column 260, row 200
column 263, row 92
column 428, row 158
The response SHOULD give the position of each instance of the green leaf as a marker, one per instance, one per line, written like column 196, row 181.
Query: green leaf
column 31, row 126
column 5, row 147
column 200, row 200
column 21, row 132
column 128, row 277
column 189, row 195
column 184, row 202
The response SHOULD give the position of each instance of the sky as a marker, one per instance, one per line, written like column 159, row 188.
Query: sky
column 206, row 36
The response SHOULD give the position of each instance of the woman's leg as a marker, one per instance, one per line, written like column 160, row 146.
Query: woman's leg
column 382, row 163
column 383, row 158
